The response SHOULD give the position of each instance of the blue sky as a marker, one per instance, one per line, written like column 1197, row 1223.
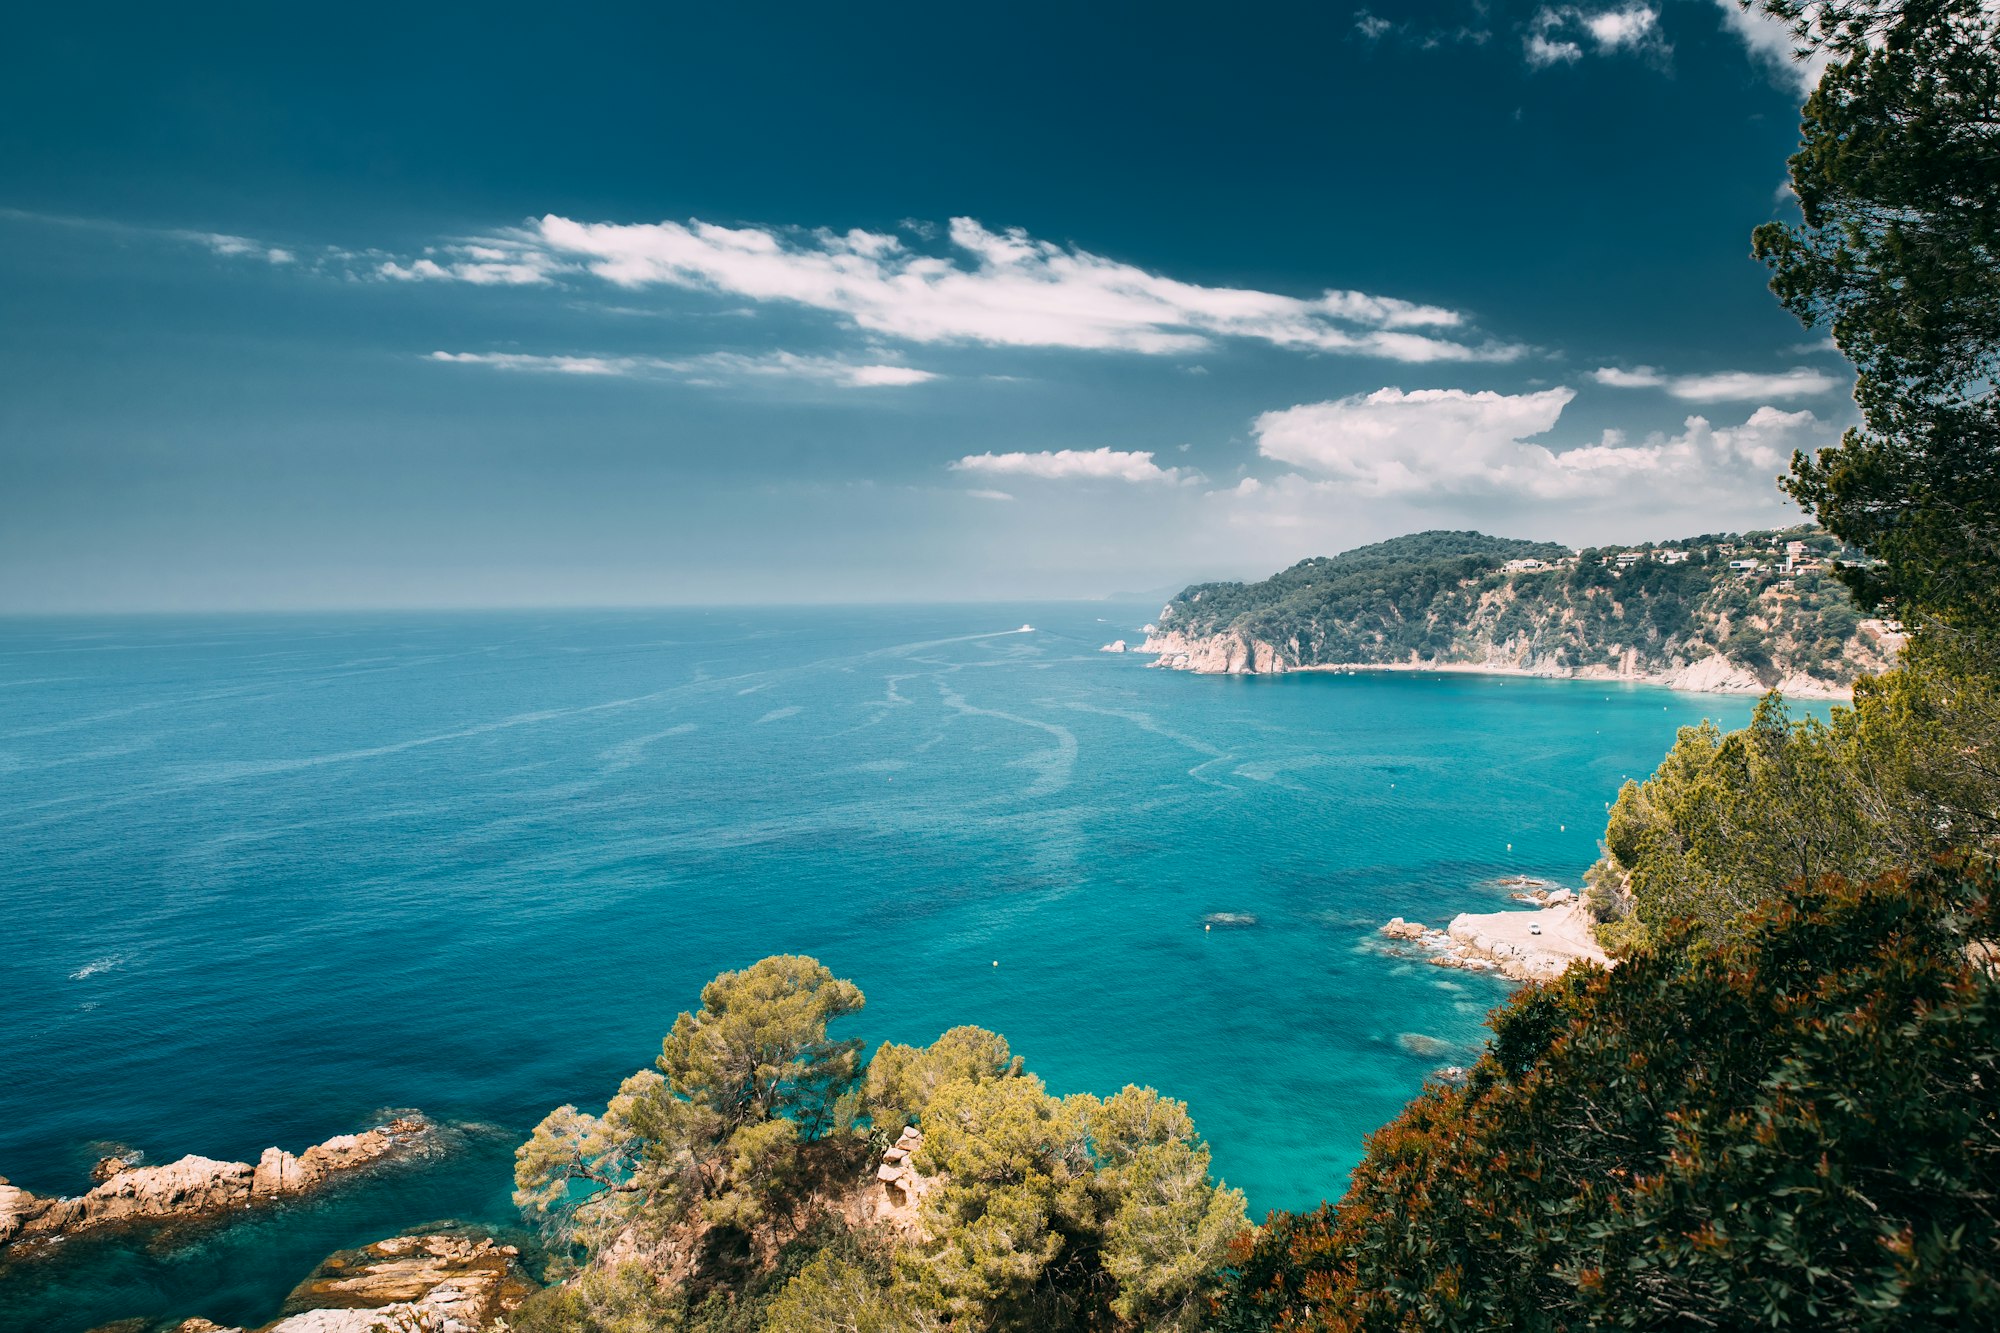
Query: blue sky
column 395, row 306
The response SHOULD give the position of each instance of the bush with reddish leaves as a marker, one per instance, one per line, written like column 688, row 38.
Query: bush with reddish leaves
column 1797, row 1128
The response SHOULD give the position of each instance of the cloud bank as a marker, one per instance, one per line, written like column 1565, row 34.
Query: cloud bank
column 1444, row 444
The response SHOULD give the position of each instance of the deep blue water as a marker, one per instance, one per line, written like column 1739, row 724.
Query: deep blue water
column 262, row 877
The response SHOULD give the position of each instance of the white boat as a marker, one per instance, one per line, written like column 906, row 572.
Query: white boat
column 1025, row 629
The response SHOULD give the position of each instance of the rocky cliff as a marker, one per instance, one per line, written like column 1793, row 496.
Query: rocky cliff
column 1729, row 613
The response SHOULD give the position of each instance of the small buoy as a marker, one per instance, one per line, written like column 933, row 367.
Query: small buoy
column 1206, row 929
column 1562, row 828
column 996, row 962
column 1510, row 846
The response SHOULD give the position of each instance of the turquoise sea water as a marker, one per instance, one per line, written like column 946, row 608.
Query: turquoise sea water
column 263, row 877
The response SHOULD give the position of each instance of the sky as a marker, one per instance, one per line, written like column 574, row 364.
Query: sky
column 425, row 306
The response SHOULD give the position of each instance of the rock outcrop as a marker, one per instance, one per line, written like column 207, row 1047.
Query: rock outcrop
column 1227, row 654
column 196, row 1187
column 901, row 1190
column 410, row 1284
column 406, row 1284
column 1519, row 945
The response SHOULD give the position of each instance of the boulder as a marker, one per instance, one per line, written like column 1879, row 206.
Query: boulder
column 278, row 1172
column 112, row 1164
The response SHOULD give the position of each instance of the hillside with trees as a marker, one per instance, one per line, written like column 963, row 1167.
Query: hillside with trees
column 1758, row 608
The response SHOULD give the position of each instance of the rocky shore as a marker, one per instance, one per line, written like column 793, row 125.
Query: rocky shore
column 196, row 1188
column 1534, row 943
column 1231, row 654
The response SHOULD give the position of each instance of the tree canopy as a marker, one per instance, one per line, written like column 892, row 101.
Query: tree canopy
column 1729, row 820
column 733, row 1186
column 1898, row 254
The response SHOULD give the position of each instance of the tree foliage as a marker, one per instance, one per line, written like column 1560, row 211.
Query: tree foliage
column 1728, row 820
column 1898, row 253
column 744, row 1085
column 1797, row 1127
column 749, row 1154
column 902, row 1080
column 1061, row 1212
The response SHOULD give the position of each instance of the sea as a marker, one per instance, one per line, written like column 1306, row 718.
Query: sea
column 264, row 879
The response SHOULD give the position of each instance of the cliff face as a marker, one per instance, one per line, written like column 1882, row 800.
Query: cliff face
column 1735, row 614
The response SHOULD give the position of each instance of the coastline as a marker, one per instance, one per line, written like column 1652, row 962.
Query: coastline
column 1232, row 655
column 1792, row 687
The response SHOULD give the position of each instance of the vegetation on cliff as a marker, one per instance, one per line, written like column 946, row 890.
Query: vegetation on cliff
column 1464, row 597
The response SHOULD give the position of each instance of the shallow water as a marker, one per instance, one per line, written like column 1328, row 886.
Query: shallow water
column 265, row 876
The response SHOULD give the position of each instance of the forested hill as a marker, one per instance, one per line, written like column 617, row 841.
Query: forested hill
column 1721, row 611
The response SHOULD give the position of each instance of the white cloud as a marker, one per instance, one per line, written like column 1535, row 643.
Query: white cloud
column 1622, row 29
column 1542, row 52
column 1390, row 442
column 1001, row 288
column 1747, row 386
column 1557, row 33
column 485, row 262
column 970, row 284
column 1078, row 465
column 229, row 247
column 1424, row 37
column 1732, row 386
column 711, row 369
column 1772, row 44
column 560, row 365
column 1441, row 445
column 1639, row 377
column 875, row 377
